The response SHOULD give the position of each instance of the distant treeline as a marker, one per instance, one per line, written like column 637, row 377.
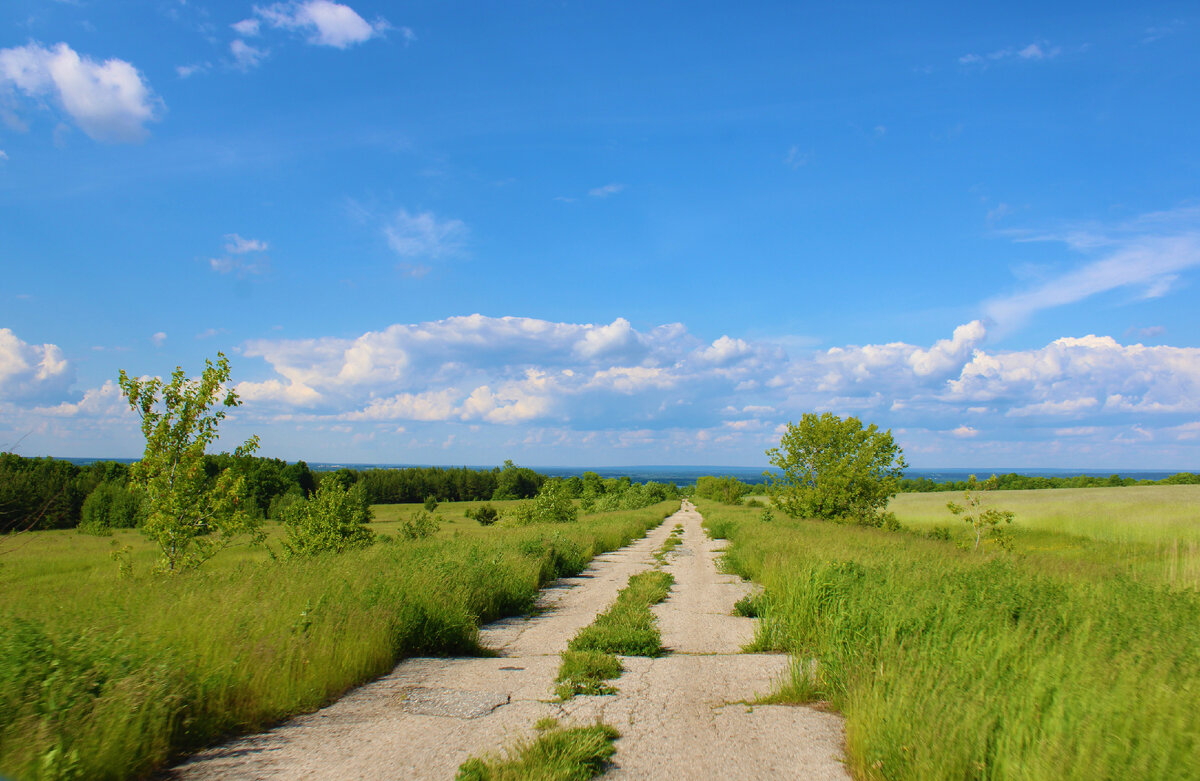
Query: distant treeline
column 1015, row 482
column 48, row 493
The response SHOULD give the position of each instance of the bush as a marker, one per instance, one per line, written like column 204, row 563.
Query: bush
column 110, row 506
column 485, row 515
column 431, row 503
column 422, row 524
column 334, row 520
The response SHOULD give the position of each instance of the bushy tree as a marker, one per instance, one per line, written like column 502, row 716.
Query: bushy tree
column 422, row 524
column 834, row 468
column 188, row 514
column 334, row 520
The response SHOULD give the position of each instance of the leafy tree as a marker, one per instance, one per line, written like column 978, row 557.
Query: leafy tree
column 516, row 482
column 190, row 516
column 334, row 520
column 992, row 521
column 834, row 468
column 485, row 515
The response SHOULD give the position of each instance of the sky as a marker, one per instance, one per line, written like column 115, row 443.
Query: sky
column 585, row 233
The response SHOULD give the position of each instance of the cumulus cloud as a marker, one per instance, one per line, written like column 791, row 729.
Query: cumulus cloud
column 324, row 22
column 30, row 371
column 110, row 101
column 425, row 235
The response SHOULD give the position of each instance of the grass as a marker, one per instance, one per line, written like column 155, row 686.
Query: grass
column 585, row 672
column 1054, row 662
column 557, row 754
column 108, row 677
column 1148, row 532
column 673, row 541
column 627, row 628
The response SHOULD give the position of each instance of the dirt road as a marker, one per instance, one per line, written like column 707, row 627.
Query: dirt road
column 682, row 714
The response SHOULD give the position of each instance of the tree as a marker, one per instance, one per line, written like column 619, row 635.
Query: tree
column 992, row 520
column 190, row 515
column 833, row 468
column 334, row 520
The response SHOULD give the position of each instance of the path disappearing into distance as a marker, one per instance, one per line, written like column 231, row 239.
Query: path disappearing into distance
column 683, row 715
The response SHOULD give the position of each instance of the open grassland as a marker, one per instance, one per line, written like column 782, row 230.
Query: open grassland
column 1056, row 661
column 1147, row 531
column 110, row 677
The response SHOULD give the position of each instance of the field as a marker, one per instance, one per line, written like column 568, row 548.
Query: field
column 103, row 676
column 1076, row 656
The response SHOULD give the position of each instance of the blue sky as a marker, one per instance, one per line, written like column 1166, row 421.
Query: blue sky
column 607, row 233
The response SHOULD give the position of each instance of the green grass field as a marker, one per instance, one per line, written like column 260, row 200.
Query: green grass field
column 110, row 677
column 1077, row 656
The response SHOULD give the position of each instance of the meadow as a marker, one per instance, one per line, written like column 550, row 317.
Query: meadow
column 1075, row 656
column 111, row 676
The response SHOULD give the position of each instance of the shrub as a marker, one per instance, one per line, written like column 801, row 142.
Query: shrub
column 422, row 524
column 334, row 520
column 485, row 515
column 431, row 503
column 110, row 506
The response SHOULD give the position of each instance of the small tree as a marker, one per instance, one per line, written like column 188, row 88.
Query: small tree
column 334, row 520
column 834, row 468
column 190, row 516
column 992, row 521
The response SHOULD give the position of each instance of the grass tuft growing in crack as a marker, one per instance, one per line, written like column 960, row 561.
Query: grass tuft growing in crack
column 557, row 754
column 585, row 672
column 673, row 541
column 628, row 628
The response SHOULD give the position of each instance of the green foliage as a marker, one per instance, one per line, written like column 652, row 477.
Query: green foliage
column 110, row 506
column 558, row 754
column 431, row 503
column 628, row 627
column 515, row 482
column 990, row 520
column 951, row 665
column 485, row 515
column 188, row 515
column 332, row 521
column 1015, row 482
column 422, row 524
column 835, row 469
column 553, row 504
column 727, row 490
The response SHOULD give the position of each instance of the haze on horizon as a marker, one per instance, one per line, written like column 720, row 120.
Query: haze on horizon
column 607, row 234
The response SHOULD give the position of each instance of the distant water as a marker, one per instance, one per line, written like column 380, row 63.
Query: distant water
column 684, row 475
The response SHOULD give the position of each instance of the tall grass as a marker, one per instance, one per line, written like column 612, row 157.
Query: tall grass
column 102, row 677
column 952, row 664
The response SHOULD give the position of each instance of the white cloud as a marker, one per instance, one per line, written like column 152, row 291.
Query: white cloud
column 3, row 155
column 964, row 432
column 187, row 71
column 606, row 190
column 795, row 158
column 159, row 338
column 247, row 27
column 245, row 56
column 109, row 101
column 326, row 23
column 238, row 246
column 425, row 235
column 1038, row 50
column 107, row 401
column 29, row 371
column 1146, row 254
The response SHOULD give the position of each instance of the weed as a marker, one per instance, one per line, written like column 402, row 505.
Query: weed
column 556, row 754
column 584, row 672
